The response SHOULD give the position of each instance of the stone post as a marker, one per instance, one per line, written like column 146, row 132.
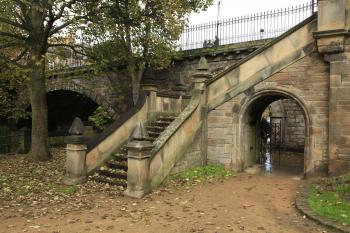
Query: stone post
column 76, row 154
column 331, row 39
column 152, row 90
column 139, row 158
column 181, row 89
column 201, row 75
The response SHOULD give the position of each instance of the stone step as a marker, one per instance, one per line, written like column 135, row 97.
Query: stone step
column 154, row 134
column 166, row 118
column 120, row 157
column 113, row 173
column 163, row 124
column 169, row 116
column 123, row 150
column 111, row 181
column 115, row 164
column 154, row 128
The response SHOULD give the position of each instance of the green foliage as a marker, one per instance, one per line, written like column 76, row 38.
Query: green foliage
column 100, row 118
column 12, row 95
column 331, row 199
column 28, row 29
column 201, row 174
column 138, row 33
column 68, row 190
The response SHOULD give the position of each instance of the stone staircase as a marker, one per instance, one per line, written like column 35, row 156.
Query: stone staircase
column 114, row 171
column 155, row 128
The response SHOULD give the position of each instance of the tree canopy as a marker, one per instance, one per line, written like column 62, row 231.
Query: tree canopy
column 139, row 33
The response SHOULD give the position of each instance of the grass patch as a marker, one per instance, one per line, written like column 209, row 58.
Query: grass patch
column 201, row 174
column 67, row 189
column 331, row 199
column 56, row 188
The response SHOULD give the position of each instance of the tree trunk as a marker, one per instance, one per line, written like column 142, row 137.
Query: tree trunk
column 39, row 148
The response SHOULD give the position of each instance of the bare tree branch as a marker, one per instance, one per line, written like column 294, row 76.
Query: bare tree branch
column 20, row 3
column 7, row 34
column 12, row 23
column 63, row 7
column 72, row 47
column 13, row 44
column 66, row 24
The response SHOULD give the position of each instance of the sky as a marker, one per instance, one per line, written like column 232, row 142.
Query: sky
column 233, row 8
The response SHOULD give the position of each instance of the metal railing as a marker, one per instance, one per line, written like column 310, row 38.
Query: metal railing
column 9, row 140
column 253, row 27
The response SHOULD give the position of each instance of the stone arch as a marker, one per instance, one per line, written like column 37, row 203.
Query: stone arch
column 55, row 85
column 259, row 100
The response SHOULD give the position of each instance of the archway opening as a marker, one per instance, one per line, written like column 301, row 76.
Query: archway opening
column 275, row 135
column 63, row 107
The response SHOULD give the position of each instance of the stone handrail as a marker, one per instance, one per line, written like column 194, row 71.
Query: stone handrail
column 174, row 141
column 263, row 63
column 116, row 135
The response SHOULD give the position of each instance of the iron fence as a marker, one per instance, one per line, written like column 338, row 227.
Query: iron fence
column 253, row 27
column 9, row 140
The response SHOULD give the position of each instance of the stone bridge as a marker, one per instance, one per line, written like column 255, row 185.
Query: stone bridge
column 283, row 104
column 110, row 89
column 101, row 88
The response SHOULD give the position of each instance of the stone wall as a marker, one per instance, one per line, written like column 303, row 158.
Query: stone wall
column 294, row 131
column 221, row 133
column 191, row 159
column 305, row 81
column 340, row 112
column 288, row 113
column 218, row 59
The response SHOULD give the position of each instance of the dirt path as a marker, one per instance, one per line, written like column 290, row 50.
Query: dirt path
column 241, row 204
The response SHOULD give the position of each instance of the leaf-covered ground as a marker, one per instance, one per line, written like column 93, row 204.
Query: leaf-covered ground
column 205, row 200
column 25, row 184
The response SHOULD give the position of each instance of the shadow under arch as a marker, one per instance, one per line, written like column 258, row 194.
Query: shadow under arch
column 55, row 85
column 63, row 106
column 249, row 114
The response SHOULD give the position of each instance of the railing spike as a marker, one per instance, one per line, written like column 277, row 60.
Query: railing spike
column 247, row 26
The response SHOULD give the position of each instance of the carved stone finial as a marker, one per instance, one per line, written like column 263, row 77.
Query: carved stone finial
column 202, row 74
column 203, row 64
column 180, row 86
column 180, row 81
column 140, row 133
column 140, row 142
column 77, row 127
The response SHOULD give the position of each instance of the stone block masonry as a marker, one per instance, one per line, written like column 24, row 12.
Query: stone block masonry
column 303, row 89
column 294, row 131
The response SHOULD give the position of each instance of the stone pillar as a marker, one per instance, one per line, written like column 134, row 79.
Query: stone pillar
column 76, row 154
column 332, row 37
column 152, row 90
column 201, row 75
column 331, row 26
column 181, row 89
column 139, row 158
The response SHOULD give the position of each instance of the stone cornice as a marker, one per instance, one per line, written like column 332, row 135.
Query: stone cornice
column 331, row 33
